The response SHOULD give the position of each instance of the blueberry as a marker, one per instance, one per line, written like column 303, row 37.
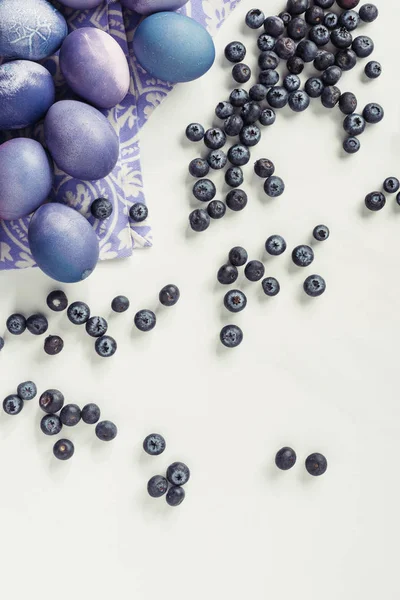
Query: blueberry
column 224, row 110
column 145, row 320
column 195, row 132
column 275, row 245
column 63, row 449
column 214, row 138
column 307, row 50
column 330, row 96
column 106, row 431
column 198, row 167
column 57, row 300
column 238, row 256
column 285, row 458
column 375, row 201
column 1, row 343
column 295, row 65
column 235, row 301
column 263, row 167
column 291, row 82
column 391, row 185
column 285, row 48
column 258, row 91
column 204, row 190
column 96, row 326
column 299, row 101
column 51, row 401
column 332, row 75
column 231, row 336
column 373, row 112
column 105, row 346
column 250, row 135
column 286, row 17
column 70, row 415
column 235, row 52
column 12, row 405
column 271, row 286
column 154, row 444
column 53, row 344
column 347, row 103
column 331, row 20
column 323, row 60
column 297, row 29
column 321, row 233
column 217, row 159
column 175, row 495
column 27, row 390
column 239, row 155
column 354, row 124
column 319, row 34
column 78, row 313
column 238, row 97
column 16, row 324
column 346, row 59
column 90, row 413
column 234, row 176
column 349, row 19
column 266, row 42
column 314, row 15
column 368, row 13
column 268, row 60
column 274, row 186
column 236, row 199
column 233, row 125
column 199, row 220
column 178, row 473
column 241, row 73
column 351, row 145
column 347, row 4
column 37, row 324
column 267, row 117
column 297, row 7
column 227, row 274
column 314, row 285
column 363, row 46
column 255, row 18
column 120, row 304
column 51, row 424
column 250, row 112
column 302, row 255
column 169, row 295
column 314, row 87
column 316, row 464
column 254, row 270
column 138, row 212
column 398, row 198
column 274, row 26
column 324, row 3
column 157, row 486
column 373, row 69
column 277, row 97
column 101, row 209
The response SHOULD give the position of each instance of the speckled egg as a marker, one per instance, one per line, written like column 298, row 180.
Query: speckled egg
column 95, row 67
column 173, row 47
column 30, row 29
column 26, row 177
column 26, row 93
column 147, row 7
column 63, row 243
column 81, row 4
column 81, row 140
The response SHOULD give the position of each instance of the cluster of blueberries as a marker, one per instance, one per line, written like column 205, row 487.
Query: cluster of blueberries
column 316, row 463
column 52, row 402
column 177, row 474
column 235, row 300
column 376, row 200
column 102, row 208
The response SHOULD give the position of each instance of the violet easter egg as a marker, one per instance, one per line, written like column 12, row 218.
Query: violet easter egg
column 95, row 67
column 173, row 47
column 26, row 177
column 81, row 140
column 63, row 243
column 26, row 93
column 81, row 4
column 147, row 7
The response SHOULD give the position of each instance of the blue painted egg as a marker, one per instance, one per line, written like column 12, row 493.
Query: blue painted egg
column 63, row 243
column 81, row 140
column 173, row 47
column 30, row 29
column 147, row 7
column 26, row 93
column 26, row 177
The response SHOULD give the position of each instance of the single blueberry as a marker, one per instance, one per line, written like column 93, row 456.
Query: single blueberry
column 250, row 135
column 271, row 286
column 297, row 7
column 285, row 458
column 314, row 87
column 321, row 233
column 274, row 186
column 391, row 185
column 268, row 60
column 323, row 60
column 154, row 444
column 105, row 346
column 204, row 190
column 199, row 220
column 235, row 52
column 175, row 495
column 266, row 42
column 254, row 270
column 285, row 48
column 106, row 431
column 347, row 4
column 307, row 50
column 238, row 97
column 217, row 159
column 297, row 29
column 363, row 46
column 51, row 401
column 63, row 449
column 239, row 155
column 27, row 390
column 37, row 324
column 70, row 415
column 351, row 145
column 214, row 138
column 302, row 255
column 216, row 209
column 258, row 92
column 236, row 199
column 295, row 65
column 145, row 320
column 331, row 75
column 263, row 167
column 324, row 3
column 12, row 405
column 120, row 304
column 375, row 201
column 101, row 209
column 53, row 344
column 368, row 13
column 286, row 17
column 16, row 324
column 255, row 18
column 319, row 34
column 235, row 301
column 231, row 336
column 241, row 73
column 238, row 256
column 169, row 295
column 314, row 15
column 331, row 20
column 96, row 326
column 138, row 212
column 178, row 473
column 373, row 69
column 267, row 117
column 51, row 424
column 299, row 101
column 233, row 125
column 275, row 245
column 347, row 103
column 198, row 167
column 157, row 486
column 1, row 343
column 224, row 110
column 277, row 97
column 291, row 82
column 78, row 313
column 194, row 132
column 227, row 274
column 354, row 124
column 90, row 413
column 350, row 19
column 373, row 113
column 234, row 176
column 316, row 464
column 57, row 300
column 398, row 198
column 250, row 112
column 330, row 96
column 274, row 26
column 314, row 285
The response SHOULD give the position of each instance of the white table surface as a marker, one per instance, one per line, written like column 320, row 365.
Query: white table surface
column 318, row 375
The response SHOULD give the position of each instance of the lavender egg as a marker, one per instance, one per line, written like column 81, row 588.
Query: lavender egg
column 80, row 139
column 63, row 243
column 26, row 177
column 95, row 67
column 26, row 93
column 147, row 7
column 81, row 4
column 30, row 29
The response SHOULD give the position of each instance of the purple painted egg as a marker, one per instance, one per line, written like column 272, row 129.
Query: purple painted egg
column 80, row 139
column 147, row 7
column 81, row 4
column 95, row 67
column 63, row 243
column 26, row 177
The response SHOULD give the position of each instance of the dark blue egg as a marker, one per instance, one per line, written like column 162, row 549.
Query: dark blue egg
column 63, row 243
column 30, row 29
column 26, row 93
column 173, row 47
